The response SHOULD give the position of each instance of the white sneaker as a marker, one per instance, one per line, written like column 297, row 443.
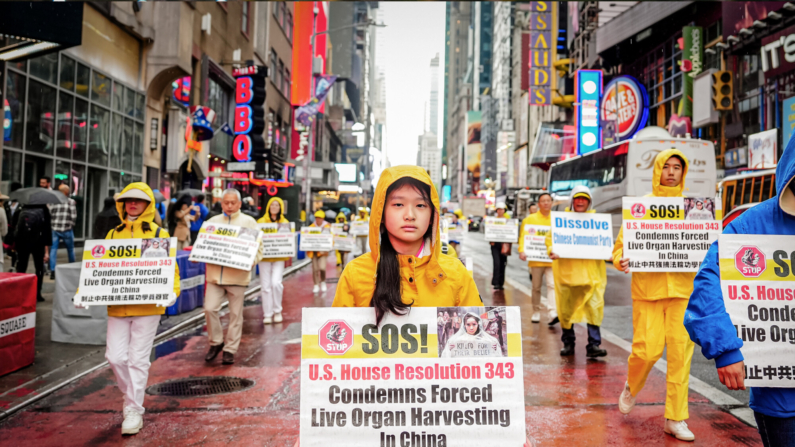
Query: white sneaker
column 323, row 287
column 679, row 430
column 536, row 317
column 267, row 320
column 277, row 318
column 133, row 423
column 626, row 401
column 316, row 289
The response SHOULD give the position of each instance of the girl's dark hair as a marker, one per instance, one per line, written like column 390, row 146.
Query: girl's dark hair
column 170, row 218
column 270, row 215
column 388, row 294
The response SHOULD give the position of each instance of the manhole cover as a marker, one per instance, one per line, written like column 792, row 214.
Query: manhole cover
column 200, row 386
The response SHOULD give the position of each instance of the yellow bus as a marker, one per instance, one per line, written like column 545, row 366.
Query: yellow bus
column 742, row 191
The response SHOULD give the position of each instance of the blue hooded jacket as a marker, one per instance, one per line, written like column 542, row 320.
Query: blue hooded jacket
column 706, row 319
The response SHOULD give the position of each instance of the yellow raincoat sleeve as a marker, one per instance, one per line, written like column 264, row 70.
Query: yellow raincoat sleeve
column 521, row 234
column 468, row 295
column 618, row 250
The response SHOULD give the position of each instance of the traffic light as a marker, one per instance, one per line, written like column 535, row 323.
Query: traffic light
column 722, row 90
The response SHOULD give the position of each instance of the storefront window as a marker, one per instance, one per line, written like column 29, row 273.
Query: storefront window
column 220, row 99
column 79, row 195
column 129, row 102
column 100, row 89
column 118, row 97
column 15, row 95
column 80, row 130
column 114, row 183
column 139, row 106
column 116, row 141
column 67, row 71
column 83, row 79
column 126, row 150
column 138, row 144
column 99, row 136
column 45, row 67
column 63, row 131
column 40, row 118
column 12, row 170
column 61, row 176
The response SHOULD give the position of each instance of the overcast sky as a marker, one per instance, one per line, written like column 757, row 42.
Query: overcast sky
column 413, row 36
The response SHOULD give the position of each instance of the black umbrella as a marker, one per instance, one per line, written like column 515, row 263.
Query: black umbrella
column 190, row 192
column 159, row 197
column 37, row 196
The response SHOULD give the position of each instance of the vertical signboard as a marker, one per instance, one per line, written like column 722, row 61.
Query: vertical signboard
column 692, row 58
column 763, row 149
column 543, row 25
column 249, row 123
column 588, row 89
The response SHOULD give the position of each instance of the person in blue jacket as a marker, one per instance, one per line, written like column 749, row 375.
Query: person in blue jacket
column 202, row 211
column 711, row 328
column 160, row 208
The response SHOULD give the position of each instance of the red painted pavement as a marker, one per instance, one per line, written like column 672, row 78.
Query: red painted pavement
column 569, row 401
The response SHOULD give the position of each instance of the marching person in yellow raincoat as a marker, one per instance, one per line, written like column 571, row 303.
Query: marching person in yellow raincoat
column 319, row 258
column 361, row 240
column 540, row 270
column 342, row 255
column 132, row 327
column 659, row 301
column 271, row 270
column 405, row 266
column 579, row 287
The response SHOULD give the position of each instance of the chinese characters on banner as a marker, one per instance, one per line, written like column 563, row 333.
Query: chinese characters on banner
column 226, row 245
column 436, row 376
column 278, row 240
column 535, row 247
column 757, row 283
column 543, row 26
column 127, row 271
column 501, row 230
column 582, row 235
column 668, row 234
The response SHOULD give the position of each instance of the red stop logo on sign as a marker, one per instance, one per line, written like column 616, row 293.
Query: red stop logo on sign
column 335, row 337
column 750, row 261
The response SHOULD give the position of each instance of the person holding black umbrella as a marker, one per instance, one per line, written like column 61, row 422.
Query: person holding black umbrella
column 33, row 236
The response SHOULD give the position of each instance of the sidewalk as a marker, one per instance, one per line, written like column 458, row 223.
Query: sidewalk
column 569, row 401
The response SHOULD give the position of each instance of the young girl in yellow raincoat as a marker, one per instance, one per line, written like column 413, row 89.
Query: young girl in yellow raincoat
column 132, row 328
column 271, row 270
column 404, row 267
column 659, row 301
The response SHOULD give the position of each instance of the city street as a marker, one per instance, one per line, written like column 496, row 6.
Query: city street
column 569, row 401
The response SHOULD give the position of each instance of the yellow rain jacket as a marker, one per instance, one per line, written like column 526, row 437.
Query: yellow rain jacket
column 430, row 281
column 659, row 301
column 267, row 219
column 651, row 286
column 579, row 283
column 134, row 230
column 534, row 219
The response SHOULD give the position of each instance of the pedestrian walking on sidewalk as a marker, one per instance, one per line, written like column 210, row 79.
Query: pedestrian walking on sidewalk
column 227, row 283
column 319, row 258
column 64, row 217
column 132, row 328
column 659, row 300
column 579, row 287
column 107, row 219
column 33, row 236
column 540, row 271
column 179, row 216
column 199, row 214
column 710, row 326
column 271, row 270
column 499, row 255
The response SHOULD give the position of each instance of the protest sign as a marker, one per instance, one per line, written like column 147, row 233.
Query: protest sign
column 455, row 232
column 444, row 226
column 535, row 245
column 316, row 239
column 758, row 285
column 226, row 245
column 501, row 230
column 278, row 240
column 360, row 228
column 127, row 271
column 582, row 235
column 344, row 242
column 436, row 376
column 668, row 234
column 338, row 228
